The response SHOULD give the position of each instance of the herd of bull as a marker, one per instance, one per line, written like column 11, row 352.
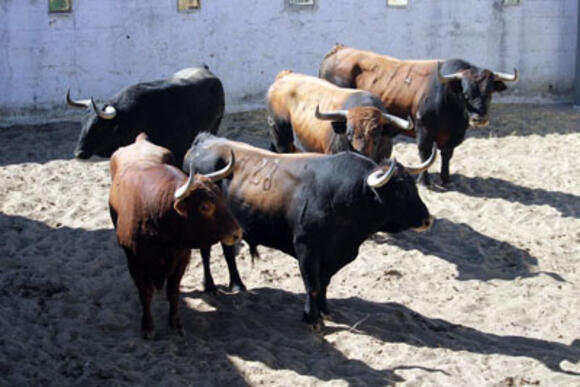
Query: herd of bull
column 327, row 183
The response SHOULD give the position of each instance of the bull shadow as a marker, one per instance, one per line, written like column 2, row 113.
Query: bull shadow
column 490, row 187
column 263, row 325
column 395, row 323
column 67, row 289
column 38, row 143
column 476, row 256
column 273, row 335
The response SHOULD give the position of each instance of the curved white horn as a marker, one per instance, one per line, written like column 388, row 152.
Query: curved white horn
column 416, row 169
column 184, row 190
column 381, row 177
column 109, row 113
column 401, row 123
column 447, row 78
column 508, row 77
column 81, row 103
column 224, row 172
column 337, row 115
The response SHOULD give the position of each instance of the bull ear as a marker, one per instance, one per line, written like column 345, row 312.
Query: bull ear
column 180, row 207
column 339, row 127
column 499, row 86
column 455, row 86
column 389, row 131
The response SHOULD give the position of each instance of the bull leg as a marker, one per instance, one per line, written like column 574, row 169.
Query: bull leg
column 146, row 295
column 208, row 284
column 446, row 155
column 322, row 302
column 310, row 270
column 236, row 284
column 281, row 136
column 181, row 259
column 146, row 289
column 425, row 148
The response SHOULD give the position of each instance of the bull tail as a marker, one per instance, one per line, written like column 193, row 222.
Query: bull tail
column 254, row 253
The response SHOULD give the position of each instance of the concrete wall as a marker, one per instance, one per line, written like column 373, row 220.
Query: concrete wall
column 106, row 44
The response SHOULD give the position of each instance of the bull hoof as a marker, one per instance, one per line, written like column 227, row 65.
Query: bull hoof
column 315, row 324
column 148, row 334
column 210, row 289
column 175, row 324
column 236, row 288
column 317, row 327
column 445, row 182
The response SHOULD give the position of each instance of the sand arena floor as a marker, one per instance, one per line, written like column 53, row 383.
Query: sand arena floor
column 490, row 296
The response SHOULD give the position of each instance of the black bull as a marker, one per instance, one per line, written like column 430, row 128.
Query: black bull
column 316, row 208
column 444, row 97
column 171, row 111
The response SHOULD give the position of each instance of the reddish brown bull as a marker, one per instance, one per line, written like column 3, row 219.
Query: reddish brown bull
column 160, row 214
column 443, row 97
column 309, row 114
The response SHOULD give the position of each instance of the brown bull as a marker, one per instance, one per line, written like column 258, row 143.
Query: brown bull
column 313, row 115
column 160, row 215
column 443, row 97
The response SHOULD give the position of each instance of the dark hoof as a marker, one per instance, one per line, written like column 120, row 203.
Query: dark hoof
column 315, row 324
column 236, row 288
column 317, row 327
column 175, row 324
column 210, row 289
column 148, row 334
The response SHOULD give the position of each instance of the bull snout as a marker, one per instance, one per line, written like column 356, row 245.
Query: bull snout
column 478, row 120
column 427, row 223
column 234, row 237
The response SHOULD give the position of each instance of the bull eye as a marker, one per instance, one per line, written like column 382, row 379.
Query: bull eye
column 207, row 208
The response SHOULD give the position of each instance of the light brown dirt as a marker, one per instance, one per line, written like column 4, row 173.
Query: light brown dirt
column 488, row 297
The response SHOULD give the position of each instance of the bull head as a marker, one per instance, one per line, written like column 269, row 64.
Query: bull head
column 381, row 177
column 108, row 114
column 476, row 86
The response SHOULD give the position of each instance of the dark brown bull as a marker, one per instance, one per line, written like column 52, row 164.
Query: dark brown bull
column 160, row 215
column 312, row 115
column 443, row 97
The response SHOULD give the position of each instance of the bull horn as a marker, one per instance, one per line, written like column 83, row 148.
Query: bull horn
column 184, row 190
column 337, row 115
column 401, row 123
column 109, row 113
column 447, row 78
column 379, row 178
column 416, row 169
column 508, row 77
column 81, row 103
column 224, row 172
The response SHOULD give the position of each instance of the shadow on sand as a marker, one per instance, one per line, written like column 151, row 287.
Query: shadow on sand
column 490, row 187
column 273, row 335
column 476, row 256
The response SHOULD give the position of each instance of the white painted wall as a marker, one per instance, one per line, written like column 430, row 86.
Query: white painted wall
column 104, row 45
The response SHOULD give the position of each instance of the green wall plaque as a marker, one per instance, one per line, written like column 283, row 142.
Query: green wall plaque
column 59, row 5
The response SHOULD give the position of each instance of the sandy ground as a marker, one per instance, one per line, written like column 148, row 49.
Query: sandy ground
column 488, row 297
